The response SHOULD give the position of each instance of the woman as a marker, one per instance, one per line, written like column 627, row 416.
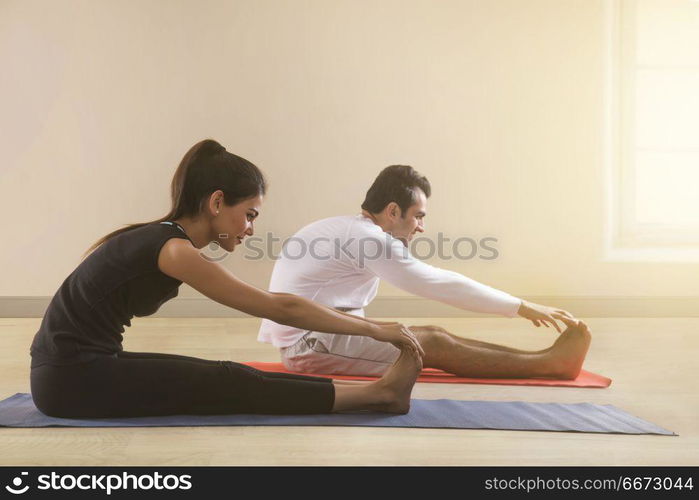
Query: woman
column 79, row 368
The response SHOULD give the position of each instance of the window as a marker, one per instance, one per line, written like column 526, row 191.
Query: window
column 653, row 129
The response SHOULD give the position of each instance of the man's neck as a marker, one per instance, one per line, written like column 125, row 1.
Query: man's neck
column 373, row 218
column 382, row 224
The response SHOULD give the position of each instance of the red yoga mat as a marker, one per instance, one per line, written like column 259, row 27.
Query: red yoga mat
column 434, row 376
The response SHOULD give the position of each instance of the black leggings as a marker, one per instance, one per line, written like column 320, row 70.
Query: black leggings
column 135, row 384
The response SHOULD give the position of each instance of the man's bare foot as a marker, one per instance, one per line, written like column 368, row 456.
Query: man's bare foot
column 569, row 323
column 566, row 356
column 395, row 387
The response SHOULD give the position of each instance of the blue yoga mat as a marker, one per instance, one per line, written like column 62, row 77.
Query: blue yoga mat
column 19, row 411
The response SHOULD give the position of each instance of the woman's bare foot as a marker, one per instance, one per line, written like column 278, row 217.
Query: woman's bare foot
column 395, row 387
column 565, row 357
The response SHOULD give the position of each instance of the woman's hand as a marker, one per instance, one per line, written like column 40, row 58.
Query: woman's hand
column 539, row 314
column 400, row 336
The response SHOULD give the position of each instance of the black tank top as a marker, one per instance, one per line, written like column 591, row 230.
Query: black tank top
column 117, row 281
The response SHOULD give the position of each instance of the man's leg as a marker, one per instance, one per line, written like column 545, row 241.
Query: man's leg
column 479, row 343
column 475, row 359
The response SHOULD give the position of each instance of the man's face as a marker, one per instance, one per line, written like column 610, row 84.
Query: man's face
column 405, row 228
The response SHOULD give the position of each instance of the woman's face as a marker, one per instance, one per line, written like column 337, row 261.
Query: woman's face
column 233, row 223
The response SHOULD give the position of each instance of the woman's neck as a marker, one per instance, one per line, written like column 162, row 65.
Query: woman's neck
column 196, row 229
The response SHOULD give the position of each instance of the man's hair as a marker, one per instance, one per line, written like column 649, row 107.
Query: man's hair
column 396, row 183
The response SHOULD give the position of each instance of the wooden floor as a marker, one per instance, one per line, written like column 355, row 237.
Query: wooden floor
column 652, row 363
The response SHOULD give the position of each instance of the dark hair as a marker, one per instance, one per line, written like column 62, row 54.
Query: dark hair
column 205, row 168
column 396, row 183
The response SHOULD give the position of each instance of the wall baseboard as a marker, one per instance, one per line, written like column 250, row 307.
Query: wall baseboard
column 408, row 307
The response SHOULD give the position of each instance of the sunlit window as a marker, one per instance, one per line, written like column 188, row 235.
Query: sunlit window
column 654, row 110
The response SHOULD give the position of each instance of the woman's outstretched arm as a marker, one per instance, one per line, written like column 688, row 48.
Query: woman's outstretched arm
column 179, row 259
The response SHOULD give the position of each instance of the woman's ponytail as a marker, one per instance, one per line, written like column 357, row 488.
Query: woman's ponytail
column 205, row 168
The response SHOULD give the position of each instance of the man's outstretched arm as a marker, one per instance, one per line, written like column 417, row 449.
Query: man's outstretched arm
column 401, row 269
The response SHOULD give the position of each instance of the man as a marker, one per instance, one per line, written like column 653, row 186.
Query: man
column 339, row 261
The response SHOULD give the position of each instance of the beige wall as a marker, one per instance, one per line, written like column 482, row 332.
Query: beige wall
column 498, row 102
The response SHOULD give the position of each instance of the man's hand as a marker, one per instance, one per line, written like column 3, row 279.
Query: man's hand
column 539, row 314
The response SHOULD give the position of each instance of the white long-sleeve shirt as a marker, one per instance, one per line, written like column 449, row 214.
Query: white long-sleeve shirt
column 339, row 262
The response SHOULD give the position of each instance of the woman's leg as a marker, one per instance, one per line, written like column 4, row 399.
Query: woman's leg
column 391, row 393
column 133, row 386
column 158, row 355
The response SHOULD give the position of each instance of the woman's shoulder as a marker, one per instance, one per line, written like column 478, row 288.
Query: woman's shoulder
column 139, row 247
column 151, row 232
column 175, row 255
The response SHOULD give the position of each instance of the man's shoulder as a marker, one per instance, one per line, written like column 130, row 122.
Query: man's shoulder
column 338, row 223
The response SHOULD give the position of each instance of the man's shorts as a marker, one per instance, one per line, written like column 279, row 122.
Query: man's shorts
column 329, row 353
